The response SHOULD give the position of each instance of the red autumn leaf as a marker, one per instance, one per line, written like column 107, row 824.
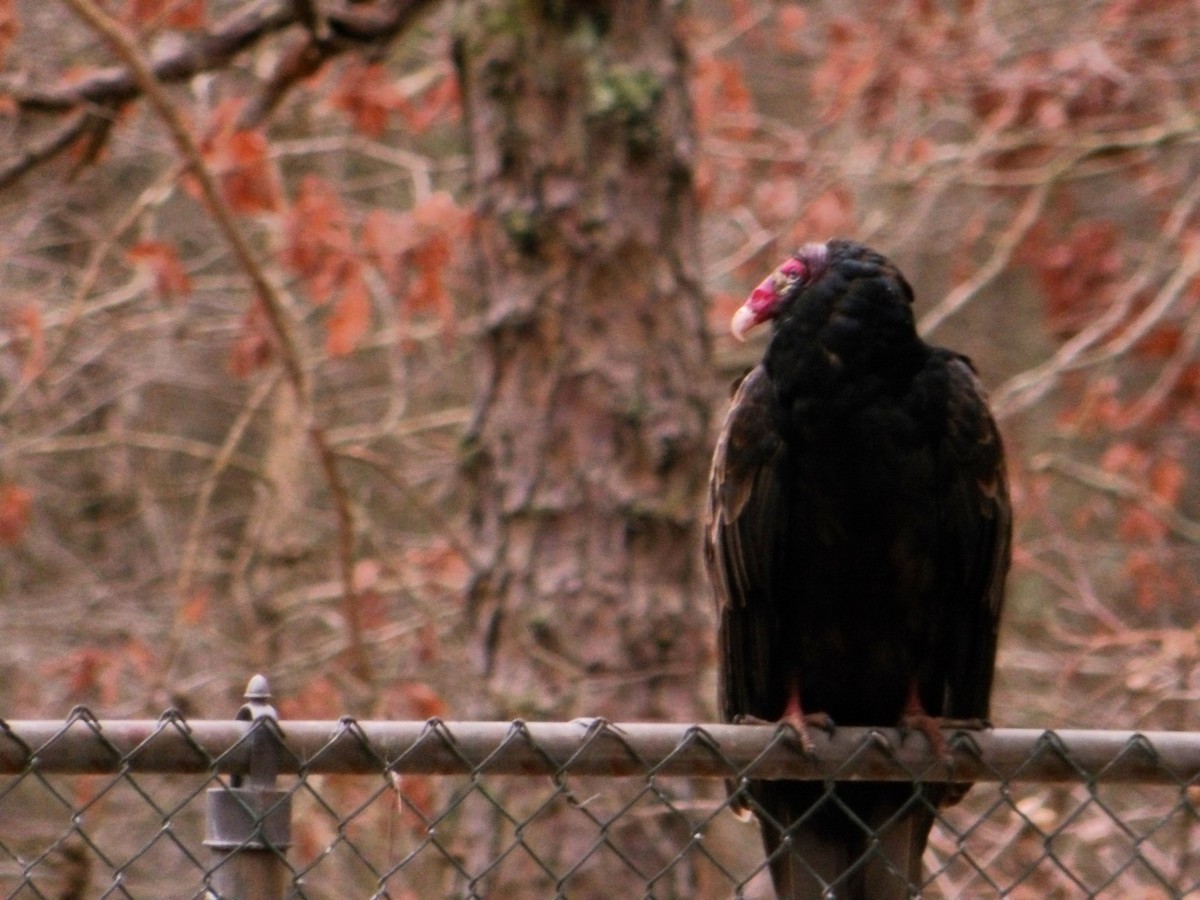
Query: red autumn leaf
column 319, row 246
column 429, row 645
column 195, row 608
column 161, row 260
column 1124, row 457
column 253, row 348
column 1153, row 584
column 29, row 340
column 10, row 25
column 719, row 89
column 84, row 669
column 317, row 233
column 248, row 182
column 1167, row 478
column 183, row 14
column 413, row 251
column 373, row 611
column 1099, row 406
column 366, row 93
column 387, row 236
column 318, row 698
column 240, row 160
column 1077, row 273
column 15, row 505
column 423, row 701
column 850, row 63
column 1140, row 526
column 416, row 800
column 441, row 103
column 791, row 18
column 1161, row 342
column 428, row 291
column 438, row 563
column 351, row 314
column 831, row 212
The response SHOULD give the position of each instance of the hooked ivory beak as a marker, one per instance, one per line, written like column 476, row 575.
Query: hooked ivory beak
column 743, row 320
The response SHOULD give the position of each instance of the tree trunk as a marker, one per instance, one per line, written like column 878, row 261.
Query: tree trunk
column 588, row 451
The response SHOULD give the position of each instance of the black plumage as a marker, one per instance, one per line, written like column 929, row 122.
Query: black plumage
column 857, row 541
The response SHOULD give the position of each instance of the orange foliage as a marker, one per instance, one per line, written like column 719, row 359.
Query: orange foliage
column 253, row 348
column 319, row 247
column 365, row 92
column 182, row 14
column 421, row 701
column 719, row 89
column 317, row 698
column 829, row 214
column 413, row 249
column 239, row 159
column 10, row 25
column 15, row 505
column 1076, row 273
column 29, row 339
column 195, row 607
column 369, row 95
column 160, row 259
column 791, row 19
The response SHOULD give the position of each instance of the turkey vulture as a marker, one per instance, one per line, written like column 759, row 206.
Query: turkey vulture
column 857, row 541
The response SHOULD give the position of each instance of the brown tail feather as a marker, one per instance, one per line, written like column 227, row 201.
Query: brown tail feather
column 851, row 844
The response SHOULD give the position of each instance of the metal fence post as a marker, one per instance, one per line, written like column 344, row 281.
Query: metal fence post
column 249, row 822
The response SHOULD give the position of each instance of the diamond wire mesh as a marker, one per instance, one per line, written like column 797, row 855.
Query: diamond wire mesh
column 95, row 809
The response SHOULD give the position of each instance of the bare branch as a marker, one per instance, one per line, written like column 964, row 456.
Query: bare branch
column 1031, row 211
column 346, row 27
column 1170, row 376
column 1028, row 387
column 119, row 85
column 47, row 149
column 221, row 462
column 1090, row 476
column 310, row 17
column 288, row 343
column 444, row 527
column 166, row 443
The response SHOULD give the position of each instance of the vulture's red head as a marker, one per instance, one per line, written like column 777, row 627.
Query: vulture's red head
column 766, row 301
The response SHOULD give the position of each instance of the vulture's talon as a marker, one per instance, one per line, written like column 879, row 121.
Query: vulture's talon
column 966, row 724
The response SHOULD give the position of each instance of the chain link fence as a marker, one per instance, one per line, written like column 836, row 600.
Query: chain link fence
column 254, row 807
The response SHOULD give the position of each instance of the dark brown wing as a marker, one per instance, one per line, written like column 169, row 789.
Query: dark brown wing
column 742, row 505
column 978, row 517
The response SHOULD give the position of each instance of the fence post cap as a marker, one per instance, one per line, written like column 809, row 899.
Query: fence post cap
column 257, row 689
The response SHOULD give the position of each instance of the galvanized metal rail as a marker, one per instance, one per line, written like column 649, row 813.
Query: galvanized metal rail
column 83, row 744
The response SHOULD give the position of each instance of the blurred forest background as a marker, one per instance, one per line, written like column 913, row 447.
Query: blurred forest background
column 379, row 346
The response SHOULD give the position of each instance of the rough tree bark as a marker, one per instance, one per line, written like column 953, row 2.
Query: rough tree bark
column 588, row 450
column 589, row 446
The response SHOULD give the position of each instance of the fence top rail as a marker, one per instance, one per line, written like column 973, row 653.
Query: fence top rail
column 83, row 744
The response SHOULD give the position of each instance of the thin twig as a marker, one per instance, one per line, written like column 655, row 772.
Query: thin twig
column 1031, row 210
column 146, row 440
column 69, row 320
column 344, row 27
column 47, row 149
column 444, row 527
column 279, row 317
column 310, row 17
column 233, row 437
column 1090, row 476
column 1028, row 387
